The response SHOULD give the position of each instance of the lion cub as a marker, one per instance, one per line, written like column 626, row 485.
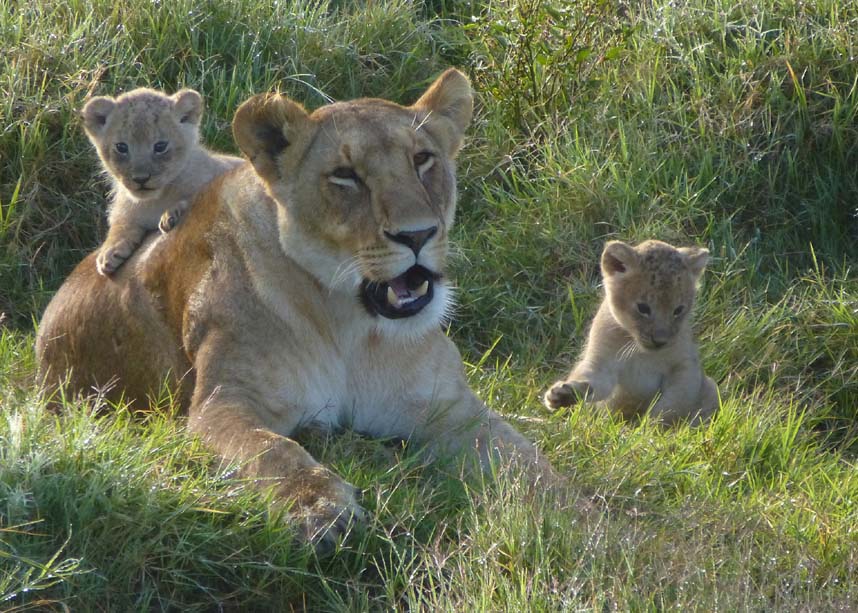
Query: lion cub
column 640, row 347
column 149, row 145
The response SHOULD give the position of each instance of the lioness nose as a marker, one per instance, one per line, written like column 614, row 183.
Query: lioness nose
column 141, row 179
column 413, row 240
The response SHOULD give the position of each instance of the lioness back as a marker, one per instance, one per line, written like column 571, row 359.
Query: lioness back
column 148, row 144
column 640, row 348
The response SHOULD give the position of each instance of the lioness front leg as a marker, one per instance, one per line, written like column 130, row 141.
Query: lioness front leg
column 322, row 502
column 121, row 241
column 468, row 428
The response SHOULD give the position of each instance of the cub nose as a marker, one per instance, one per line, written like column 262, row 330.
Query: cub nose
column 140, row 180
column 413, row 240
column 659, row 338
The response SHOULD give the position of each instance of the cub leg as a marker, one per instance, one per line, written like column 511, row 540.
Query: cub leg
column 171, row 217
column 686, row 394
column 708, row 401
column 122, row 239
column 588, row 381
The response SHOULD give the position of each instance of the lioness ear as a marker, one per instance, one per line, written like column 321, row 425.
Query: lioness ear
column 95, row 114
column 695, row 258
column 450, row 97
column 264, row 126
column 188, row 105
column 618, row 258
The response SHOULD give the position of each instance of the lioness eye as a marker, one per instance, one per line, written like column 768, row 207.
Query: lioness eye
column 344, row 176
column 678, row 310
column 423, row 161
column 643, row 308
column 121, row 148
column 160, row 146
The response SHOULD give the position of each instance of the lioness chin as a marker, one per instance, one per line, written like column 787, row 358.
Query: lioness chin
column 307, row 286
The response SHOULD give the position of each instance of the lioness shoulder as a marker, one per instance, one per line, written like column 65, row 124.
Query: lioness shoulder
column 640, row 352
column 148, row 143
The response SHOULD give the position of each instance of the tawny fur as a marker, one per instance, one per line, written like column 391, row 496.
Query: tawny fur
column 149, row 146
column 640, row 353
column 251, row 305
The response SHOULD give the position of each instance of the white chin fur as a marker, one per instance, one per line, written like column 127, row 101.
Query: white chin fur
column 412, row 329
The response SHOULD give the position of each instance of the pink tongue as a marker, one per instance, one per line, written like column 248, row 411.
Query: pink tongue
column 398, row 285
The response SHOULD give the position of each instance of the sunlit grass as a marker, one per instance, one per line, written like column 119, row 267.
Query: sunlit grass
column 726, row 124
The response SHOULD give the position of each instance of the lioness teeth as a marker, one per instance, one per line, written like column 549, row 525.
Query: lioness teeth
column 421, row 291
column 391, row 296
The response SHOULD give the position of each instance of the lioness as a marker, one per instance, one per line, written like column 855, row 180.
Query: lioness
column 149, row 146
column 640, row 347
column 307, row 286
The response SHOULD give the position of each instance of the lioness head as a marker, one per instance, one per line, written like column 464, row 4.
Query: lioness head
column 651, row 288
column 366, row 193
column 144, row 137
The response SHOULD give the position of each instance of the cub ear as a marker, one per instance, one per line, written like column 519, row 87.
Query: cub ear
column 618, row 258
column 695, row 258
column 450, row 96
column 95, row 114
column 188, row 105
column 264, row 126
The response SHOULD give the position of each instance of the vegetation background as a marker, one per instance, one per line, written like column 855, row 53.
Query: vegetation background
column 726, row 123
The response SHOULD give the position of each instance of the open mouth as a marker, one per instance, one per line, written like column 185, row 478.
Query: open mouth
column 402, row 296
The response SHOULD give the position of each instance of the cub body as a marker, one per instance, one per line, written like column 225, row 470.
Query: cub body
column 640, row 348
column 148, row 143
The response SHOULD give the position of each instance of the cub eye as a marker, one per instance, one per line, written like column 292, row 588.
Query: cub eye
column 678, row 310
column 345, row 176
column 121, row 148
column 423, row 161
column 160, row 146
column 643, row 308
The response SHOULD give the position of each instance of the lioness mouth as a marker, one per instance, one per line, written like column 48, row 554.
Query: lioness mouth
column 402, row 296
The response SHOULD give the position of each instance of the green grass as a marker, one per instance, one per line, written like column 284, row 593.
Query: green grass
column 728, row 124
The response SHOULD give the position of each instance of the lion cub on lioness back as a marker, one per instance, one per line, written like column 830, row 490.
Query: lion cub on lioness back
column 149, row 145
column 640, row 346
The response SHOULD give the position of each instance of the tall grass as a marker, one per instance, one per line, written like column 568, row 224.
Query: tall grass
column 726, row 124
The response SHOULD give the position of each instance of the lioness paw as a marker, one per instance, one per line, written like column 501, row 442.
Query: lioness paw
column 331, row 514
column 566, row 393
column 171, row 217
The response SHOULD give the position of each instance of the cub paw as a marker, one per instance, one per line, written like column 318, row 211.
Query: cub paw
column 111, row 257
column 171, row 217
column 566, row 393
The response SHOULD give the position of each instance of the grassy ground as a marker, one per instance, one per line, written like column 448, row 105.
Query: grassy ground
column 728, row 124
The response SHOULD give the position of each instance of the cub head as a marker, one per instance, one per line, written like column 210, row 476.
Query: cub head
column 366, row 193
column 651, row 288
column 144, row 137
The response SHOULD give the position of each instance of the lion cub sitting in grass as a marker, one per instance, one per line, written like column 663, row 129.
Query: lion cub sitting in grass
column 149, row 145
column 640, row 348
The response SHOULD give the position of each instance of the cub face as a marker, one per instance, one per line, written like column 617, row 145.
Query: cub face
column 366, row 192
column 651, row 288
column 144, row 137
